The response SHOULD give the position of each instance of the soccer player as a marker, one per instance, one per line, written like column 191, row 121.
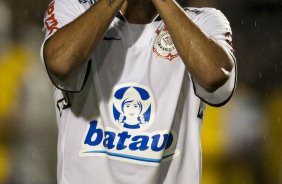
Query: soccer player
column 131, row 81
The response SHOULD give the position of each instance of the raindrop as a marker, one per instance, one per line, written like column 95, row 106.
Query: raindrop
column 242, row 21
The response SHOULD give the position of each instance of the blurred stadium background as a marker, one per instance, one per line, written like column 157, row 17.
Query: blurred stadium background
column 242, row 141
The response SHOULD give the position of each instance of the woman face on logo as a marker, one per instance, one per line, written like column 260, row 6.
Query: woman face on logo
column 131, row 108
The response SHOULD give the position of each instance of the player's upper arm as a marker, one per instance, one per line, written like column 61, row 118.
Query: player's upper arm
column 216, row 25
column 58, row 14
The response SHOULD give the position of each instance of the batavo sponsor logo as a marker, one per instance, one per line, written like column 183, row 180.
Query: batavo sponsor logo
column 133, row 107
column 141, row 148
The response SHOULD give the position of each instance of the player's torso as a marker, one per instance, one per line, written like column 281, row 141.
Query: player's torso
column 139, row 56
column 132, row 113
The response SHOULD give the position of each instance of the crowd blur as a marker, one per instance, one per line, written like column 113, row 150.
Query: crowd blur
column 241, row 142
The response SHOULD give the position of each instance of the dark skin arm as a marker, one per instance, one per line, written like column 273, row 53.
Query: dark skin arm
column 207, row 62
column 72, row 45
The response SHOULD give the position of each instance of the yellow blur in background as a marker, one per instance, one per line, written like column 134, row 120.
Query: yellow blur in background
column 12, row 67
column 242, row 141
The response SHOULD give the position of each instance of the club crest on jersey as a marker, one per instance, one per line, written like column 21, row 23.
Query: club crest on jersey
column 132, row 108
column 163, row 45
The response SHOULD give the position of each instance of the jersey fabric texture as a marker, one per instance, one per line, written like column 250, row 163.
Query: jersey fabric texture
column 132, row 113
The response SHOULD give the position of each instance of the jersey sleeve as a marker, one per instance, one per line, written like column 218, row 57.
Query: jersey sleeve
column 58, row 14
column 215, row 24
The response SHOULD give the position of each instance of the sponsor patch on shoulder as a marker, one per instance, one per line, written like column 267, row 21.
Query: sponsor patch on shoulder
column 50, row 21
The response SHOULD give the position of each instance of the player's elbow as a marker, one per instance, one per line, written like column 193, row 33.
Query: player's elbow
column 214, row 81
column 55, row 61
column 212, row 85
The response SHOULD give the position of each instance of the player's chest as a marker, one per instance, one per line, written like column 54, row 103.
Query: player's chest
column 137, row 48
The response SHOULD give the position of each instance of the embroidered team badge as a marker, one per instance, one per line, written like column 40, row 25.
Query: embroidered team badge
column 163, row 45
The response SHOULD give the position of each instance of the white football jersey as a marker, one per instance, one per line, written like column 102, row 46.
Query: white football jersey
column 132, row 113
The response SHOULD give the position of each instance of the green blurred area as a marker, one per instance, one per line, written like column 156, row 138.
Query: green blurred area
column 242, row 141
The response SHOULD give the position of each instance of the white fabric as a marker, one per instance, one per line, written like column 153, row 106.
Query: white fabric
column 137, row 119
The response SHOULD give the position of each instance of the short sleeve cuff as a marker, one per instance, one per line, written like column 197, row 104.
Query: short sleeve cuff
column 222, row 95
column 74, row 82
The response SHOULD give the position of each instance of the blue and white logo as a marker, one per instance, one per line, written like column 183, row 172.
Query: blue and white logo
column 133, row 106
column 132, row 109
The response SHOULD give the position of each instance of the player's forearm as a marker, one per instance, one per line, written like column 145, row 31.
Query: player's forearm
column 205, row 59
column 72, row 45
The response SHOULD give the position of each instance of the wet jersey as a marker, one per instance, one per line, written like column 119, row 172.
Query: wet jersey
column 133, row 113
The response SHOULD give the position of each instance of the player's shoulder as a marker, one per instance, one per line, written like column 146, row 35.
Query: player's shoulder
column 201, row 11
column 86, row 2
column 83, row 3
column 79, row 1
column 204, row 14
